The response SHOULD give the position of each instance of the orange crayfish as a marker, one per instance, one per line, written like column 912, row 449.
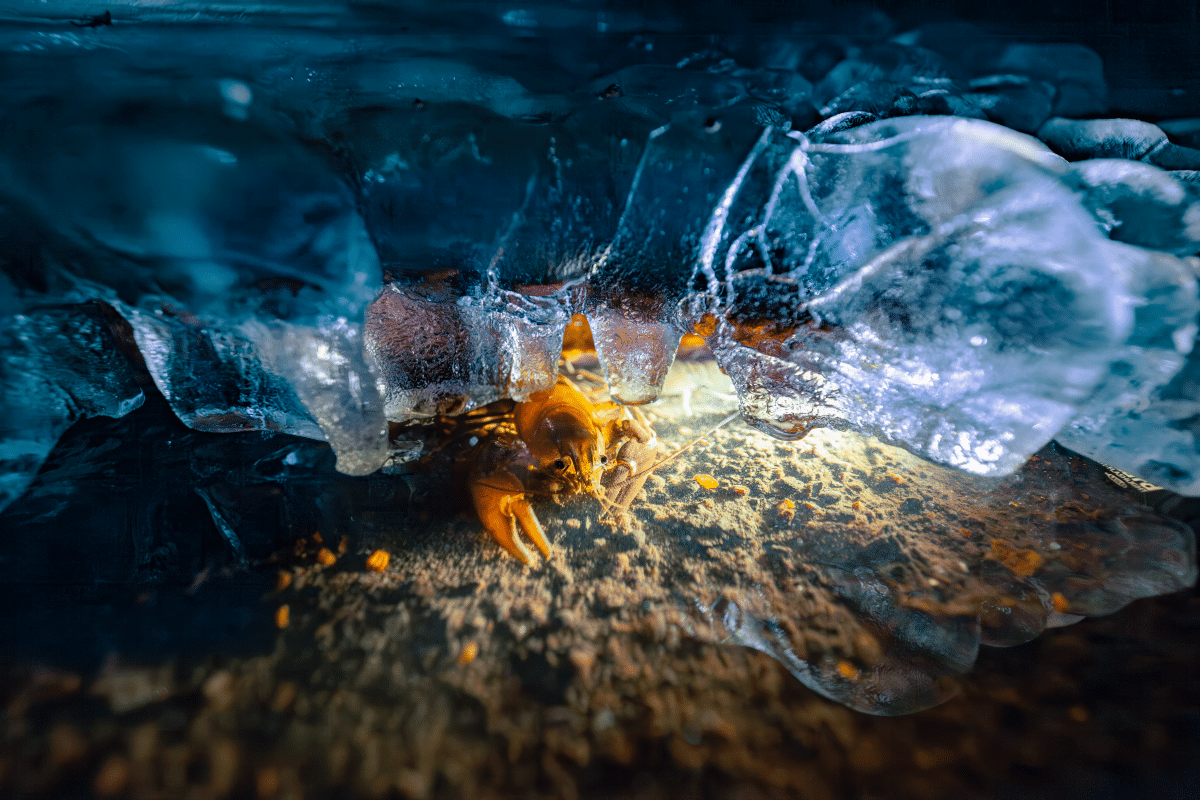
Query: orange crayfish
column 555, row 445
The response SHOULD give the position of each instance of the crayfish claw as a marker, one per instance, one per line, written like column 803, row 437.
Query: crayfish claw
column 506, row 537
column 531, row 525
column 499, row 499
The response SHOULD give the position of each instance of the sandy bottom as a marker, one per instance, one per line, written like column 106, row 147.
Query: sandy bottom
column 687, row 649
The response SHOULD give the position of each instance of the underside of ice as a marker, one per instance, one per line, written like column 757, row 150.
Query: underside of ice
column 392, row 228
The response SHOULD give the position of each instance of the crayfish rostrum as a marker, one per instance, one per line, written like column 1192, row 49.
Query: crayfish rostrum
column 555, row 445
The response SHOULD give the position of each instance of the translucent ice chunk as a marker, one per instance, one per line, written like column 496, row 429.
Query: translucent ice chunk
column 1077, row 73
column 636, row 349
column 420, row 167
column 211, row 234
column 328, row 369
column 1078, row 139
column 57, row 365
column 1135, row 422
column 441, row 354
column 1015, row 101
column 948, row 102
column 685, row 168
column 889, row 62
column 1142, row 204
column 517, row 338
column 214, row 378
column 225, row 217
column 452, row 187
column 1184, row 132
column 1173, row 157
column 881, row 98
column 931, row 281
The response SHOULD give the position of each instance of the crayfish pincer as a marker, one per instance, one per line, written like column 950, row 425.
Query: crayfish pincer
column 556, row 444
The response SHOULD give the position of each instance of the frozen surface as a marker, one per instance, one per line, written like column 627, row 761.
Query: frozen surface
column 237, row 257
column 318, row 233
column 57, row 365
column 931, row 281
column 441, row 354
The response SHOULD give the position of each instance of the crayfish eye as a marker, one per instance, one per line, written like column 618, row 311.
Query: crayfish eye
column 603, row 459
column 559, row 464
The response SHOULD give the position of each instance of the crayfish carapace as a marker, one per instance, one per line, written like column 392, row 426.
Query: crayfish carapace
column 555, row 445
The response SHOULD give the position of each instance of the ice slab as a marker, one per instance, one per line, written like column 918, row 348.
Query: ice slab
column 1141, row 204
column 934, row 282
column 1184, row 132
column 236, row 254
column 57, row 365
column 1141, row 419
column 441, row 354
column 226, row 217
column 636, row 349
column 326, row 366
column 214, row 379
column 1074, row 72
column 890, row 63
column 1078, row 139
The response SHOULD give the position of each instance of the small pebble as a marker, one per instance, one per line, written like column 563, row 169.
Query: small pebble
column 378, row 561
column 707, row 481
column 219, row 689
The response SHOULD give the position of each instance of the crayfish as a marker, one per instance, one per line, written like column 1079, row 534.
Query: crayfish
column 554, row 445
